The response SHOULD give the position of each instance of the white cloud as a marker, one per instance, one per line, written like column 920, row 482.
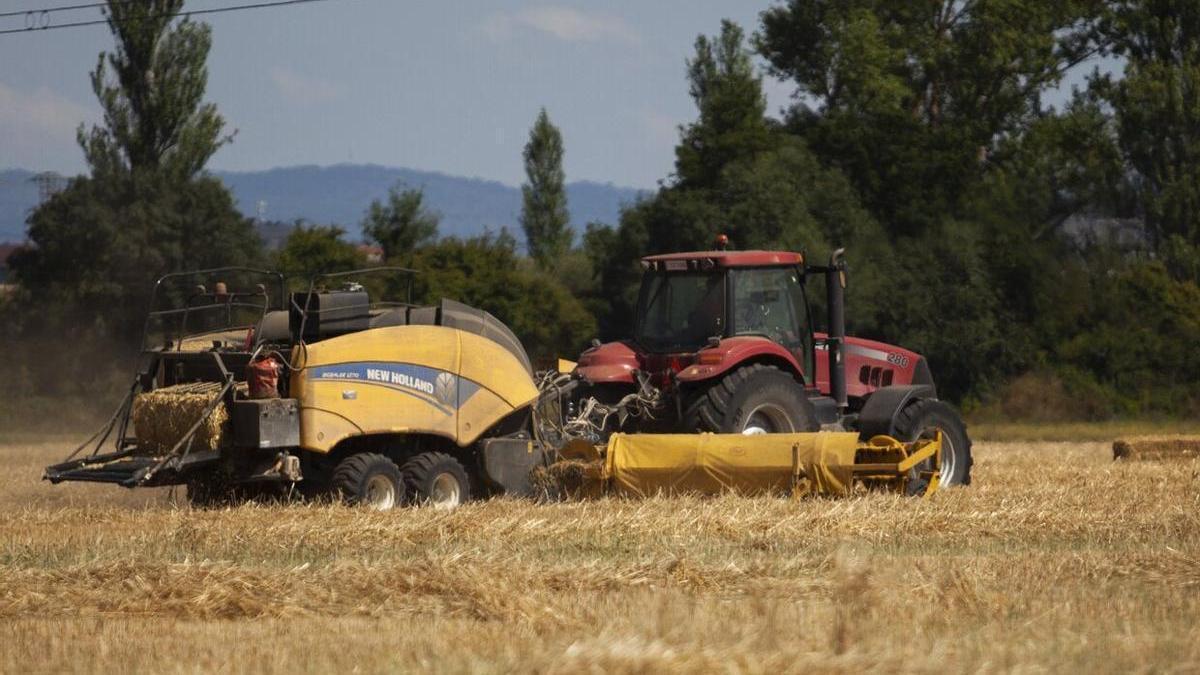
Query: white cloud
column 37, row 129
column 41, row 112
column 563, row 23
column 303, row 89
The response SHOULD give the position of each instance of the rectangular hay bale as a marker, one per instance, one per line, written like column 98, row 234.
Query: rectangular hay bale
column 161, row 418
column 1153, row 448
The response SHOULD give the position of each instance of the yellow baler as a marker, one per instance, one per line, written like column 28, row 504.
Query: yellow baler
column 429, row 380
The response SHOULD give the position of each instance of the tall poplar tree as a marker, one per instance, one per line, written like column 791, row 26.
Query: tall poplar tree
column 544, row 215
column 151, row 88
column 147, row 207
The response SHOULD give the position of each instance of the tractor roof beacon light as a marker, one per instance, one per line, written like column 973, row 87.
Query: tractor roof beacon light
column 722, row 242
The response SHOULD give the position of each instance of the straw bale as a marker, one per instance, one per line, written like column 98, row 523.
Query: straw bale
column 162, row 417
column 1157, row 447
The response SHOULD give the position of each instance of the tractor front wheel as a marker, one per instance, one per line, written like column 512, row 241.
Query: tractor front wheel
column 925, row 418
column 754, row 399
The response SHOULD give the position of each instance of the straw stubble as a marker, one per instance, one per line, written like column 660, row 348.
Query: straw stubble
column 1056, row 559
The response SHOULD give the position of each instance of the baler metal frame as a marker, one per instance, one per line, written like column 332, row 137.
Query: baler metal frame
column 141, row 470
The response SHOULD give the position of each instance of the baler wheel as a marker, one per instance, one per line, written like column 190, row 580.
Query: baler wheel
column 369, row 479
column 436, row 479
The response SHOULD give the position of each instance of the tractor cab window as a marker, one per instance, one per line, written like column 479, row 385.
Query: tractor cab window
column 679, row 311
column 769, row 301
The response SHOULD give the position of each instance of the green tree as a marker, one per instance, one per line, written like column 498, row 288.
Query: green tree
column 909, row 99
column 1157, row 110
column 145, row 209
column 728, row 94
column 1062, row 164
column 151, row 89
column 402, row 223
column 1140, row 327
column 544, row 216
column 487, row 273
column 940, row 302
column 736, row 175
column 316, row 249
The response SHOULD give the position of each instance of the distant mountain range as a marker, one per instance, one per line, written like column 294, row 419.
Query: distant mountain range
column 340, row 195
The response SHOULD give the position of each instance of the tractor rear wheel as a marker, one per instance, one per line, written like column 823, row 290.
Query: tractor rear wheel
column 753, row 399
column 436, row 479
column 926, row 417
column 369, row 479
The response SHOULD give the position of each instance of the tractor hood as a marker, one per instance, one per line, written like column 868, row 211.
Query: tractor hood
column 871, row 365
column 610, row 363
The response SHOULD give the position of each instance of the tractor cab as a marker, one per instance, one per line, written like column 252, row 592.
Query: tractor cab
column 701, row 313
column 693, row 301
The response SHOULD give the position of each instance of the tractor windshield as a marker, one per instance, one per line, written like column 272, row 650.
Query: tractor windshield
column 769, row 301
column 679, row 311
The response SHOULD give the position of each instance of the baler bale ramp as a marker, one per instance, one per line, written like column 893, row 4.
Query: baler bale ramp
column 145, row 459
column 195, row 343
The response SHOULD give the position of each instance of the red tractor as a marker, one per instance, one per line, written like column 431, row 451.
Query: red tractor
column 724, row 342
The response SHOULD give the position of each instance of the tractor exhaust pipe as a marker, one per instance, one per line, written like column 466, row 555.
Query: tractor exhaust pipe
column 835, row 290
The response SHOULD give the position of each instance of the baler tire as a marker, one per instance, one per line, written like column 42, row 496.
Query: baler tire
column 436, row 479
column 726, row 406
column 369, row 479
column 920, row 417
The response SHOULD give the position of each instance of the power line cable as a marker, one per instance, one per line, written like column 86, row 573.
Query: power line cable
column 41, row 26
column 65, row 8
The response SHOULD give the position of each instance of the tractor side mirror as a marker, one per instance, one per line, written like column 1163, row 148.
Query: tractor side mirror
column 837, row 261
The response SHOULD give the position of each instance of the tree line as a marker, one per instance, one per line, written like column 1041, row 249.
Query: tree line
column 1043, row 257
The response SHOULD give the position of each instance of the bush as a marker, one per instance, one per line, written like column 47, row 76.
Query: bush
column 1045, row 396
column 1137, row 337
column 487, row 273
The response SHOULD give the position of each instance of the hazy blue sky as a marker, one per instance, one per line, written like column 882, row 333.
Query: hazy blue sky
column 448, row 86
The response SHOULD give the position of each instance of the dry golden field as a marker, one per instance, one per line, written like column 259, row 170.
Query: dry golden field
column 1057, row 559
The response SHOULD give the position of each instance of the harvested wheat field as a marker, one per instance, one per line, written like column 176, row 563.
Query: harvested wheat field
column 1056, row 559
